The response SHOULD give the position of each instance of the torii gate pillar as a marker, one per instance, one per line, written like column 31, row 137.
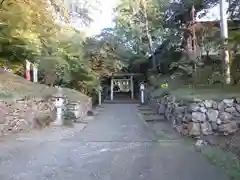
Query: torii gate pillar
column 111, row 88
column 132, row 89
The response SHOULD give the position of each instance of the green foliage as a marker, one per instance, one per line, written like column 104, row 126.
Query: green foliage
column 234, row 9
column 29, row 30
column 179, row 11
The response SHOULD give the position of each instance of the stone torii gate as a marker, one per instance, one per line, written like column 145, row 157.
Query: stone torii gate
column 125, row 79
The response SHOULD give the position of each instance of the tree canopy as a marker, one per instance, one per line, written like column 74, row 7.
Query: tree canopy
column 144, row 30
column 40, row 31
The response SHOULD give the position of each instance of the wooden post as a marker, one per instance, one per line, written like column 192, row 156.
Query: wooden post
column 111, row 88
column 132, row 89
column 99, row 97
column 27, row 72
column 35, row 73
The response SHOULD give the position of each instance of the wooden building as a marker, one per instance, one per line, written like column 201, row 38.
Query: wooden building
column 197, row 36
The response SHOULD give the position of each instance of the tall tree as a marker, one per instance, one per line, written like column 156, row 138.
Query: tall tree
column 141, row 24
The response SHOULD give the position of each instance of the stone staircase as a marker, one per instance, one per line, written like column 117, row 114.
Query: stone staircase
column 122, row 101
column 157, row 124
column 148, row 114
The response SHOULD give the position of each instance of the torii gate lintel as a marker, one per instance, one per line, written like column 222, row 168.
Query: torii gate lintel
column 122, row 76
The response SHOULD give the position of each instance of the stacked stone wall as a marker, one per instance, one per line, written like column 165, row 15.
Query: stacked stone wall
column 198, row 117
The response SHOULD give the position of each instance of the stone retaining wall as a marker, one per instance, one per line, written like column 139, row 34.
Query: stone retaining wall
column 77, row 110
column 28, row 113
column 198, row 117
column 24, row 114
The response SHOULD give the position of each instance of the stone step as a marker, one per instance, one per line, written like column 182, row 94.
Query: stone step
column 121, row 102
column 148, row 113
column 145, row 108
column 153, row 118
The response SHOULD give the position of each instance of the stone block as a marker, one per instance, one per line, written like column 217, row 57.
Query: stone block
column 203, row 109
column 215, row 105
column 230, row 110
column 221, row 106
column 161, row 109
column 228, row 128
column 180, row 109
column 206, row 128
column 212, row 115
column 228, row 102
column 214, row 126
column 194, row 129
column 237, row 106
column 198, row 117
column 187, row 118
column 225, row 116
column 208, row 103
column 193, row 107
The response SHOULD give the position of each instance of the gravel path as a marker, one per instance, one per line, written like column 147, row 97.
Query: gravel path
column 117, row 145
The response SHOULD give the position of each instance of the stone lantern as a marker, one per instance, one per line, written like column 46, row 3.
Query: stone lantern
column 59, row 102
column 142, row 89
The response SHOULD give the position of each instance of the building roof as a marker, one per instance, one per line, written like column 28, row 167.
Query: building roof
column 231, row 23
column 122, row 74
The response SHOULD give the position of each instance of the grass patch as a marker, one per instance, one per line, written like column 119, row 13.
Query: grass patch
column 13, row 86
column 213, row 92
column 6, row 95
column 225, row 160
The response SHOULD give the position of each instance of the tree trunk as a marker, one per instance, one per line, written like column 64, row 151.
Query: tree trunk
column 207, row 55
column 194, row 41
column 224, row 35
column 150, row 43
column 226, row 66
